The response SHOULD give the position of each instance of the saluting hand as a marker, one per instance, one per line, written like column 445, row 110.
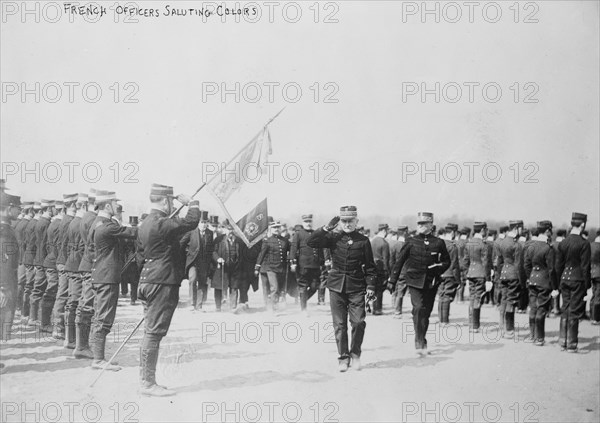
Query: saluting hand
column 332, row 223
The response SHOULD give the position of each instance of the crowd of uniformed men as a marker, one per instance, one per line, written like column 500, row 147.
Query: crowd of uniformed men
column 66, row 262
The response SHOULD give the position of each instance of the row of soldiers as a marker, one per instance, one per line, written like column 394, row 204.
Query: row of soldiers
column 71, row 257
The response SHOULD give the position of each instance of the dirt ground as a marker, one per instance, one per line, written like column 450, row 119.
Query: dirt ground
column 282, row 367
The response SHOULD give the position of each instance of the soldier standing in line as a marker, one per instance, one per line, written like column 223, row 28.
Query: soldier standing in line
column 595, row 276
column 272, row 260
column 85, row 308
column 106, row 235
column 353, row 274
column 306, row 261
column 199, row 245
column 381, row 255
column 399, row 290
column 573, row 271
column 478, row 260
column 29, row 257
column 497, row 286
column 27, row 215
column 427, row 259
column 41, row 282
column 161, row 276
column 450, row 279
column 510, row 252
column 560, row 236
column 490, row 241
column 525, row 240
column 74, row 253
column 539, row 267
column 49, row 296
column 62, row 294
column 9, row 263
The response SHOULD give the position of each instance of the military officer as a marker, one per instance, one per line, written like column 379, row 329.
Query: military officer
column 27, row 215
column 28, row 260
column 560, row 236
column 478, row 260
column 426, row 258
column 450, row 279
column 62, row 241
column 306, row 261
column 595, row 275
column 85, row 307
column 75, row 251
column 106, row 235
column 199, row 245
column 161, row 276
column 41, row 282
column 573, row 271
column 498, row 270
column 399, row 290
column 541, row 274
column 9, row 210
column 353, row 273
column 272, row 261
column 49, row 296
column 527, row 238
column 510, row 253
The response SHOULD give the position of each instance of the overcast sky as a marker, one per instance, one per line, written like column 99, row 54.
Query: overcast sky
column 373, row 136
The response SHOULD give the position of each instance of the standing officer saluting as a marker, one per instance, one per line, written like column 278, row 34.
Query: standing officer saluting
column 161, row 276
column 352, row 272
column 427, row 259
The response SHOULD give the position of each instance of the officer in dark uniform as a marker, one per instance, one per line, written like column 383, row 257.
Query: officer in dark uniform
column 399, row 290
column 106, row 235
column 560, row 236
column 450, row 279
column 497, row 271
column 41, row 282
column 353, row 273
column 27, row 215
column 306, row 261
column 527, row 238
column 9, row 210
column 272, row 261
column 427, row 259
column 161, row 276
column 199, row 245
column 75, row 251
column 49, row 297
column 595, row 275
column 573, row 271
column 541, row 274
column 381, row 255
column 28, row 259
column 478, row 261
column 510, row 253
column 62, row 294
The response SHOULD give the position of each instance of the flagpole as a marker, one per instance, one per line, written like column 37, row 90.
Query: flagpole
column 176, row 212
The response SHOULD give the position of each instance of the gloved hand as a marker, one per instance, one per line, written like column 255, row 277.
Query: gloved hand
column 256, row 270
column 370, row 294
column 332, row 223
column 488, row 286
column 184, row 199
column 554, row 293
column 220, row 260
column 293, row 268
column 391, row 286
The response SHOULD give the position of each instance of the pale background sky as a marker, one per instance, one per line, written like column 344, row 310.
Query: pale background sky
column 368, row 133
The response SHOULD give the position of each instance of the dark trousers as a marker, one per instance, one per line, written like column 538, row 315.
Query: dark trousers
column 322, row 286
column 39, row 287
column 106, row 296
column 595, row 301
column 344, row 305
column 399, row 294
column 160, row 302
column 49, row 296
column 29, row 282
column 62, row 297
column 422, row 302
column 272, row 284
column 539, row 305
column 308, row 283
column 22, row 278
column 573, row 309
column 7, row 313
column 85, row 306
column 510, row 290
column 523, row 297
column 198, row 276
column 447, row 289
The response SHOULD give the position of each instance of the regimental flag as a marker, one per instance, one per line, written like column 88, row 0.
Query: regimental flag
column 254, row 224
column 247, row 165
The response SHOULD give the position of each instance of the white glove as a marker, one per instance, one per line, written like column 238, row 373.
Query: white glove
column 293, row 268
column 554, row 293
column 220, row 260
column 488, row 286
